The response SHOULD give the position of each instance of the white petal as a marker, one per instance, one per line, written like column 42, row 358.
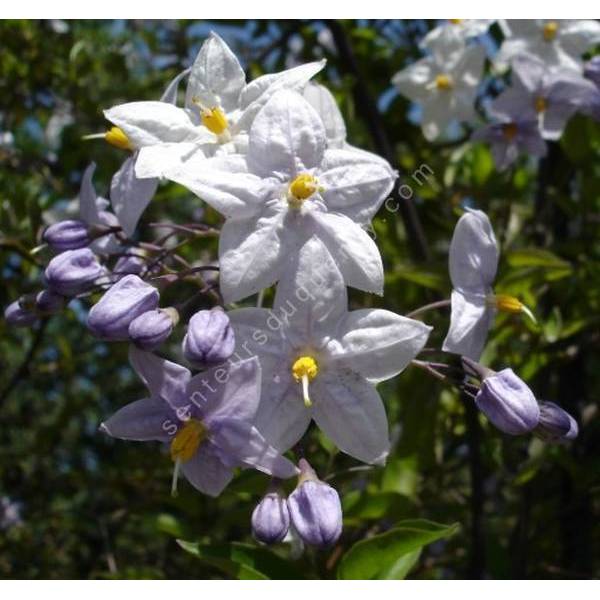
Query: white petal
column 222, row 182
column 257, row 331
column 350, row 412
column 311, row 295
column 474, row 253
column 355, row 184
column 160, row 160
column 287, row 137
column 470, row 321
column 377, row 343
column 578, row 36
column 251, row 253
column 217, row 78
column 149, row 123
column 353, row 250
column 258, row 93
column 322, row 100
column 170, row 93
column 130, row 196
column 413, row 80
column 88, row 207
column 282, row 417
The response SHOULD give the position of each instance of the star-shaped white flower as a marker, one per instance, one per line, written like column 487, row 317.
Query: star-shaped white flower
column 288, row 188
column 473, row 262
column 219, row 109
column 445, row 86
column 321, row 362
column 558, row 43
column 450, row 37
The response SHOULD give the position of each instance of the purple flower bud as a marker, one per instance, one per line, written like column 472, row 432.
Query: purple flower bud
column 67, row 235
column 48, row 302
column 271, row 519
column 127, row 299
column 17, row 316
column 128, row 265
column 73, row 272
column 556, row 424
column 152, row 328
column 508, row 403
column 209, row 339
column 315, row 509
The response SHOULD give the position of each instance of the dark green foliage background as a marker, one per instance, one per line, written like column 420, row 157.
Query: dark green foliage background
column 93, row 507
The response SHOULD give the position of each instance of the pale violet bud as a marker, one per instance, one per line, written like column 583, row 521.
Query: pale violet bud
column 556, row 424
column 67, row 235
column 508, row 403
column 271, row 519
column 18, row 316
column 128, row 265
column 127, row 299
column 73, row 272
column 315, row 509
column 209, row 339
column 48, row 302
column 152, row 328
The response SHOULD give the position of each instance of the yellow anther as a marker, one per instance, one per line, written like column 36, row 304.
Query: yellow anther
column 443, row 82
column 304, row 370
column 456, row 21
column 540, row 104
column 214, row 119
column 187, row 440
column 510, row 131
column 302, row 188
column 550, row 30
column 115, row 136
column 510, row 304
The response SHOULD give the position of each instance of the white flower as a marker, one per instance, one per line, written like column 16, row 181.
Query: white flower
column 558, row 43
column 219, row 109
column 288, row 188
column 444, row 86
column 473, row 263
column 450, row 37
column 321, row 362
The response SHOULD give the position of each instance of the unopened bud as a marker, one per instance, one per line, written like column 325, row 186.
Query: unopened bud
column 508, row 403
column 73, row 272
column 47, row 302
column 315, row 509
column 17, row 316
column 271, row 519
column 67, row 235
column 152, row 328
column 556, row 424
column 127, row 299
column 209, row 339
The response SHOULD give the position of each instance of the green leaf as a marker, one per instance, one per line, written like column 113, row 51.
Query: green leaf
column 243, row 561
column 378, row 557
column 536, row 257
column 403, row 565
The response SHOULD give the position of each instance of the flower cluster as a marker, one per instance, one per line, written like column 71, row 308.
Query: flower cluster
column 549, row 82
column 271, row 157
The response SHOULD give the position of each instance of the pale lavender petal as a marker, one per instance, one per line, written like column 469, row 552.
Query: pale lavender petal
column 144, row 420
column 206, row 472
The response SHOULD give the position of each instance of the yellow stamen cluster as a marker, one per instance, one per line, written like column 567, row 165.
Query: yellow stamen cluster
column 456, row 21
column 302, row 188
column 550, row 30
column 304, row 370
column 115, row 136
column 214, row 119
column 443, row 82
column 187, row 440
column 510, row 304
column 540, row 104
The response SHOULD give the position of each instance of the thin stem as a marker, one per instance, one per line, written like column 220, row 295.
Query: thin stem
column 426, row 307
